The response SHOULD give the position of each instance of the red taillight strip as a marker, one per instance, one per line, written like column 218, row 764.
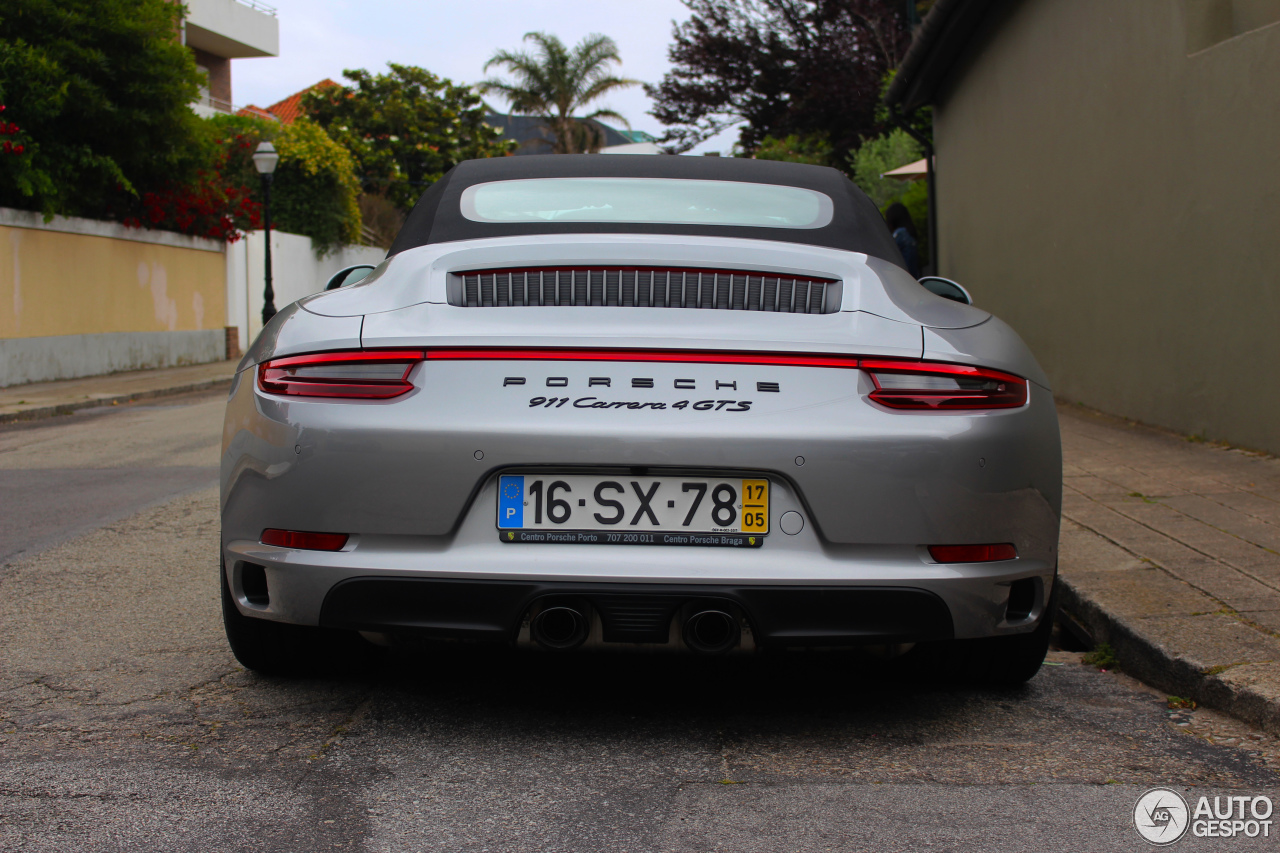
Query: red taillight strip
column 274, row 377
column 347, row 357
column 677, row 356
column 935, row 367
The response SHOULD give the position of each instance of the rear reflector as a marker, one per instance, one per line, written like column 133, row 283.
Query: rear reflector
column 305, row 541
column 932, row 385
column 370, row 375
column 972, row 553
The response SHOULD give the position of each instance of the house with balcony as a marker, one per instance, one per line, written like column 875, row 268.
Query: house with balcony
column 1107, row 183
column 218, row 31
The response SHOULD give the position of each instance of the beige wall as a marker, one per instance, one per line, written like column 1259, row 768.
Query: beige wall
column 1117, row 200
column 59, row 283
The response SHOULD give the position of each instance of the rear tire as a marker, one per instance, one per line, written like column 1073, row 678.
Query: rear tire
column 277, row 648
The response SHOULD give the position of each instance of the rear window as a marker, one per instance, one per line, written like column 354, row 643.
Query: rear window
column 670, row 201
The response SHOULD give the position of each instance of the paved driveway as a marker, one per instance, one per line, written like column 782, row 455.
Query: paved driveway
column 125, row 724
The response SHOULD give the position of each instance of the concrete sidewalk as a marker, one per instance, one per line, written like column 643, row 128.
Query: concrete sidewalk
column 44, row 399
column 1170, row 549
column 1170, row 555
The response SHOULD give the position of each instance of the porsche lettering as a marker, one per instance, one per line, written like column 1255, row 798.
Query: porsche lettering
column 643, row 382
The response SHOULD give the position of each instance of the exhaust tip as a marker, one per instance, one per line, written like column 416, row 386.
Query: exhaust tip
column 559, row 628
column 711, row 632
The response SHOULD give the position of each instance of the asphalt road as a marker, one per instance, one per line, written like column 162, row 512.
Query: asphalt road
column 125, row 724
column 73, row 473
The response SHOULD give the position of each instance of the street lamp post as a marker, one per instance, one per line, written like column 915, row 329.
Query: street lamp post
column 265, row 160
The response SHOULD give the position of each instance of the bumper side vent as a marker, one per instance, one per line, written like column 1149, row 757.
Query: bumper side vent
column 253, row 580
column 1022, row 600
column 645, row 287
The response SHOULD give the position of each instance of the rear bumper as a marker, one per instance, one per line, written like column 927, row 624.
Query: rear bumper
column 481, row 589
column 639, row 613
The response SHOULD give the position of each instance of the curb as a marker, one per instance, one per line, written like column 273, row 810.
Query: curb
column 1150, row 661
column 68, row 408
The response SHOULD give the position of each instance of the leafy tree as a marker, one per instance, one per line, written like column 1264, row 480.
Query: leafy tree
column 404, row 129
column 556, row 82
column 99, row 91
column 878, row 155
column 315, row 189
column 781, row 66
column 217, row 204
column 813, row 149
column 380, row 220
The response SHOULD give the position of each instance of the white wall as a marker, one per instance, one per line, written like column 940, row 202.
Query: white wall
column 232, row 29
column 296, row 272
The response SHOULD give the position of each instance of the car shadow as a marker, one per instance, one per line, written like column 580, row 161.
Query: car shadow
column 595, row 690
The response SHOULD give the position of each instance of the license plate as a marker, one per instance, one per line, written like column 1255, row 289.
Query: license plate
column 632, row 510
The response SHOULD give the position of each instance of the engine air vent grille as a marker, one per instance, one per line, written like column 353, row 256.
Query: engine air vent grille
column 631, row 287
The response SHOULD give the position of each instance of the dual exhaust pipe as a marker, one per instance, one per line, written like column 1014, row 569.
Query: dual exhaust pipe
column 560, row 628
column 563, row 627
column 711, row 632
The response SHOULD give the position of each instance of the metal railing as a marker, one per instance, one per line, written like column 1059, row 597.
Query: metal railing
column 259, row 7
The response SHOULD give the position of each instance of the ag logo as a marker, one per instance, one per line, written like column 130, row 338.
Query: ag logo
column 511, row 537
column 751, row 539
column 1161, row 816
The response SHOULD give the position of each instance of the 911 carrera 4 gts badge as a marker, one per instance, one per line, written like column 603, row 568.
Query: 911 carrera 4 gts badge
column 597, row 403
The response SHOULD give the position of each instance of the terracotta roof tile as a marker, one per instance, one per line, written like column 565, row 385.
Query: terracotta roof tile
column 288, row 110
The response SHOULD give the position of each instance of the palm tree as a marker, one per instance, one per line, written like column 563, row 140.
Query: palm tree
column 555, row 82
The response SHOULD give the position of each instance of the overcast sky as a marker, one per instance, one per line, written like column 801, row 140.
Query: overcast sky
column 319, row 38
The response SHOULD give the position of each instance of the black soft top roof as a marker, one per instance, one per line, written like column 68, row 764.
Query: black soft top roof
column 856, row 224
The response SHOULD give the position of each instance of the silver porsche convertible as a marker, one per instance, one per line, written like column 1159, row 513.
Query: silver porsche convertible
column 679, row 403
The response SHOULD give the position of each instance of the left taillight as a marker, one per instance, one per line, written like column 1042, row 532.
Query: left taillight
column 934, row 385
column 364, row 375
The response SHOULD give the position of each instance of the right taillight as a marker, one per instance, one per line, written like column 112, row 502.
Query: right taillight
column 933, row 385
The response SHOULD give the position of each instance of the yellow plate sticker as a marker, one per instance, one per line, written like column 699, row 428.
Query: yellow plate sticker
column 755, row 506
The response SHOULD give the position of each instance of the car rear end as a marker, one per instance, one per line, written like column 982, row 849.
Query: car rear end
column 694, row 442
column 852, row 464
